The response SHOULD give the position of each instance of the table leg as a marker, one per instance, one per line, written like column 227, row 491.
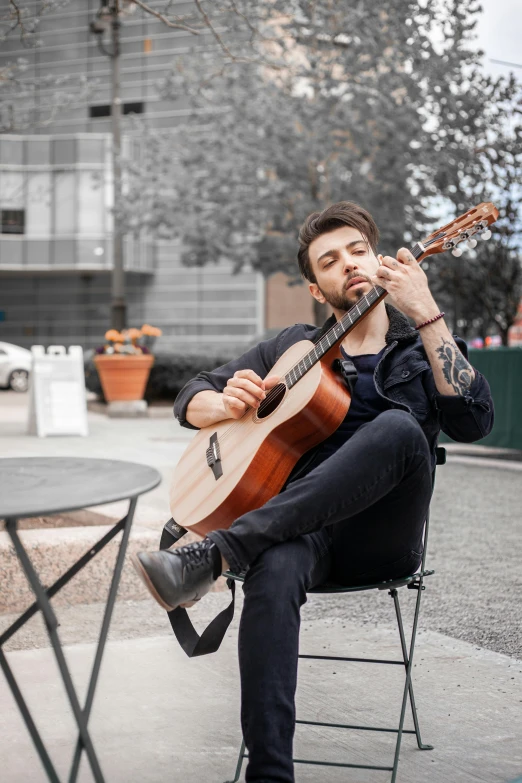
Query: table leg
column 26, row 715
column 103, row 632
column 63, row 580
column 52, row 625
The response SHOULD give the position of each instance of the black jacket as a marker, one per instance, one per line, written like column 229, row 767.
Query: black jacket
column 403, row 376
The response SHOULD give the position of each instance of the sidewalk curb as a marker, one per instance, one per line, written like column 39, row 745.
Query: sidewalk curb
column 55, row 548
column 151, row 412
column 484, row 462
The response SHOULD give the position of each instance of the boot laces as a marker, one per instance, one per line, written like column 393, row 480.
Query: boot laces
column 194, row 555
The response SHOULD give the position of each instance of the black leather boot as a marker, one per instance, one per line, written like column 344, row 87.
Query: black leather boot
column 178, row 576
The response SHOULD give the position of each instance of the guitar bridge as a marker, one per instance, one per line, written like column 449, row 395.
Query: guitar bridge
column 214, row 456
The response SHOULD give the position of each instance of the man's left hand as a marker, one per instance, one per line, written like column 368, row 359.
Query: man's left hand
column 406, row 282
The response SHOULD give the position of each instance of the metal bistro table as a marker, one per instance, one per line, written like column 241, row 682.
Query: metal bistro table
column 32, row 487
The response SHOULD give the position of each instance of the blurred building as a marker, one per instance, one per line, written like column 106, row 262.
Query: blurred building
column 56, row 199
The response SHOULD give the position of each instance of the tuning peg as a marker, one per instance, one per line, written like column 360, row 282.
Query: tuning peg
column 472, row 243
column 457, row 252
column 486, row 234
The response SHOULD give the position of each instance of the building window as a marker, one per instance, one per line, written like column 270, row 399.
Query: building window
column 12, row 221
column 136, row 107
column 100, row 111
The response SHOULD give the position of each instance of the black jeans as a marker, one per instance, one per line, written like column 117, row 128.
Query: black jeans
column 356, row 517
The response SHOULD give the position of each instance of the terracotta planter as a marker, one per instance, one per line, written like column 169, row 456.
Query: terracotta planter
column 123, row 377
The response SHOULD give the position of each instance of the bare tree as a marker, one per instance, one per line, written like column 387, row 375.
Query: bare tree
column 369, row 108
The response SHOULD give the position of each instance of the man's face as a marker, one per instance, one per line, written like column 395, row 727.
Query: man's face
column 343, row 264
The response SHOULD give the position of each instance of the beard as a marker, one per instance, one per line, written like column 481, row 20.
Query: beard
column 345, row 299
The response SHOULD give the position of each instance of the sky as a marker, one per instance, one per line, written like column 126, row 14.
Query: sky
column 500, row 35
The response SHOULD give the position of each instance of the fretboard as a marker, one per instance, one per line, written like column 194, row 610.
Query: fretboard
column 340, row 329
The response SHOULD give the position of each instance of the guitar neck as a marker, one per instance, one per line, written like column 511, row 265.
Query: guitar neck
column 341, row 328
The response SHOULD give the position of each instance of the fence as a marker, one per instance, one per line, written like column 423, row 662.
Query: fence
column 503, row 369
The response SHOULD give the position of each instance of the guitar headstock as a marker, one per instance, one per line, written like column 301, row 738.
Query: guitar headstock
column 475, row 221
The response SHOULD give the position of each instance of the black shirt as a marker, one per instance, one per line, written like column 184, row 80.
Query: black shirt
column 365, row 406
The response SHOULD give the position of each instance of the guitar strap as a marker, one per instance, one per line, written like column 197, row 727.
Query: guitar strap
column 190, row 641
column 348, row 371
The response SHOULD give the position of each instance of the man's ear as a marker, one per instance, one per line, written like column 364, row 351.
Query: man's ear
column 316, row 293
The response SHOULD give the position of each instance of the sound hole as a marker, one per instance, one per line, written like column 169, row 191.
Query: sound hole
column 271, row 402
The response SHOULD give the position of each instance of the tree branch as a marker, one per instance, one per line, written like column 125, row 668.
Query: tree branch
column 220, row 41
column 19, row 19
column 21, row 16
column 254, row 30
column 212, row 29
column 179, row 25
column 17, row 12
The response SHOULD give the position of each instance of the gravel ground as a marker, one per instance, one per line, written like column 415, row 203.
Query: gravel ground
column 475, row 548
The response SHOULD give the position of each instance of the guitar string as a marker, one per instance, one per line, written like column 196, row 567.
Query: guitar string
column 274, row 391
column 324, row 339
column 251, row 412
column 324, row 343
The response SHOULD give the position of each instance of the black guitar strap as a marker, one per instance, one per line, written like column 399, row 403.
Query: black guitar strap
column 191, row 642
column 348, row 371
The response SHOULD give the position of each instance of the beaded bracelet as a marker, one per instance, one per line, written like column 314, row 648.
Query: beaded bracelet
column 431, row 320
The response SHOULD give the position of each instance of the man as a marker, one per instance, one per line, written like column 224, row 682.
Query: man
column 353, row 509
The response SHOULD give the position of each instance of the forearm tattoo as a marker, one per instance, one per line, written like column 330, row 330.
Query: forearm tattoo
column 456, row 370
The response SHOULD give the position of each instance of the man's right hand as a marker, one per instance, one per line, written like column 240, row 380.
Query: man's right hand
column 246, row 389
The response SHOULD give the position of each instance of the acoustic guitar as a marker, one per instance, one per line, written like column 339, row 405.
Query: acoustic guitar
column 237, row 465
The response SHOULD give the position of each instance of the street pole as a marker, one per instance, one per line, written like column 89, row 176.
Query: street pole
column 118, row 305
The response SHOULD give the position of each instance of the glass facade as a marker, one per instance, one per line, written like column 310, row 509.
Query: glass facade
column 55, row 209
column 55, row 205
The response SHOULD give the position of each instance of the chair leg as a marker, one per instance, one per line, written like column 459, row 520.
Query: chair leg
column 408, row 690
column 407, row 693
column 239, row 763
column 420, row 744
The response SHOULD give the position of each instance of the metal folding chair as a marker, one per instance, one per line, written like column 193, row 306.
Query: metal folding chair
column 412, row 582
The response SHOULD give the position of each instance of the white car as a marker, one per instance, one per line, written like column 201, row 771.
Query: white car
column 15, row 366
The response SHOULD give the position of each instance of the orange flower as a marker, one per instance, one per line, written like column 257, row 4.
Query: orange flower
column 151, row 331
column 114, row 336
column 133, row 334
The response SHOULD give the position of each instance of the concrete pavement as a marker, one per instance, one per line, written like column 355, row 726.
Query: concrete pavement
column 159, row 716
column 474, row 535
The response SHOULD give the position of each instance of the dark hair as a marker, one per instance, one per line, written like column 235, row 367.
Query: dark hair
column 344, row 213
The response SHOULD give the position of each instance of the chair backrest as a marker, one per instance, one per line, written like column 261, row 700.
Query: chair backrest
column 440, row 455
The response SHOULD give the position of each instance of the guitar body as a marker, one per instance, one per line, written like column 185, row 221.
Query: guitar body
column 256, row 455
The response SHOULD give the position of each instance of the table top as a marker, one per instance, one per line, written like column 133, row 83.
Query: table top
column 32, row 486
